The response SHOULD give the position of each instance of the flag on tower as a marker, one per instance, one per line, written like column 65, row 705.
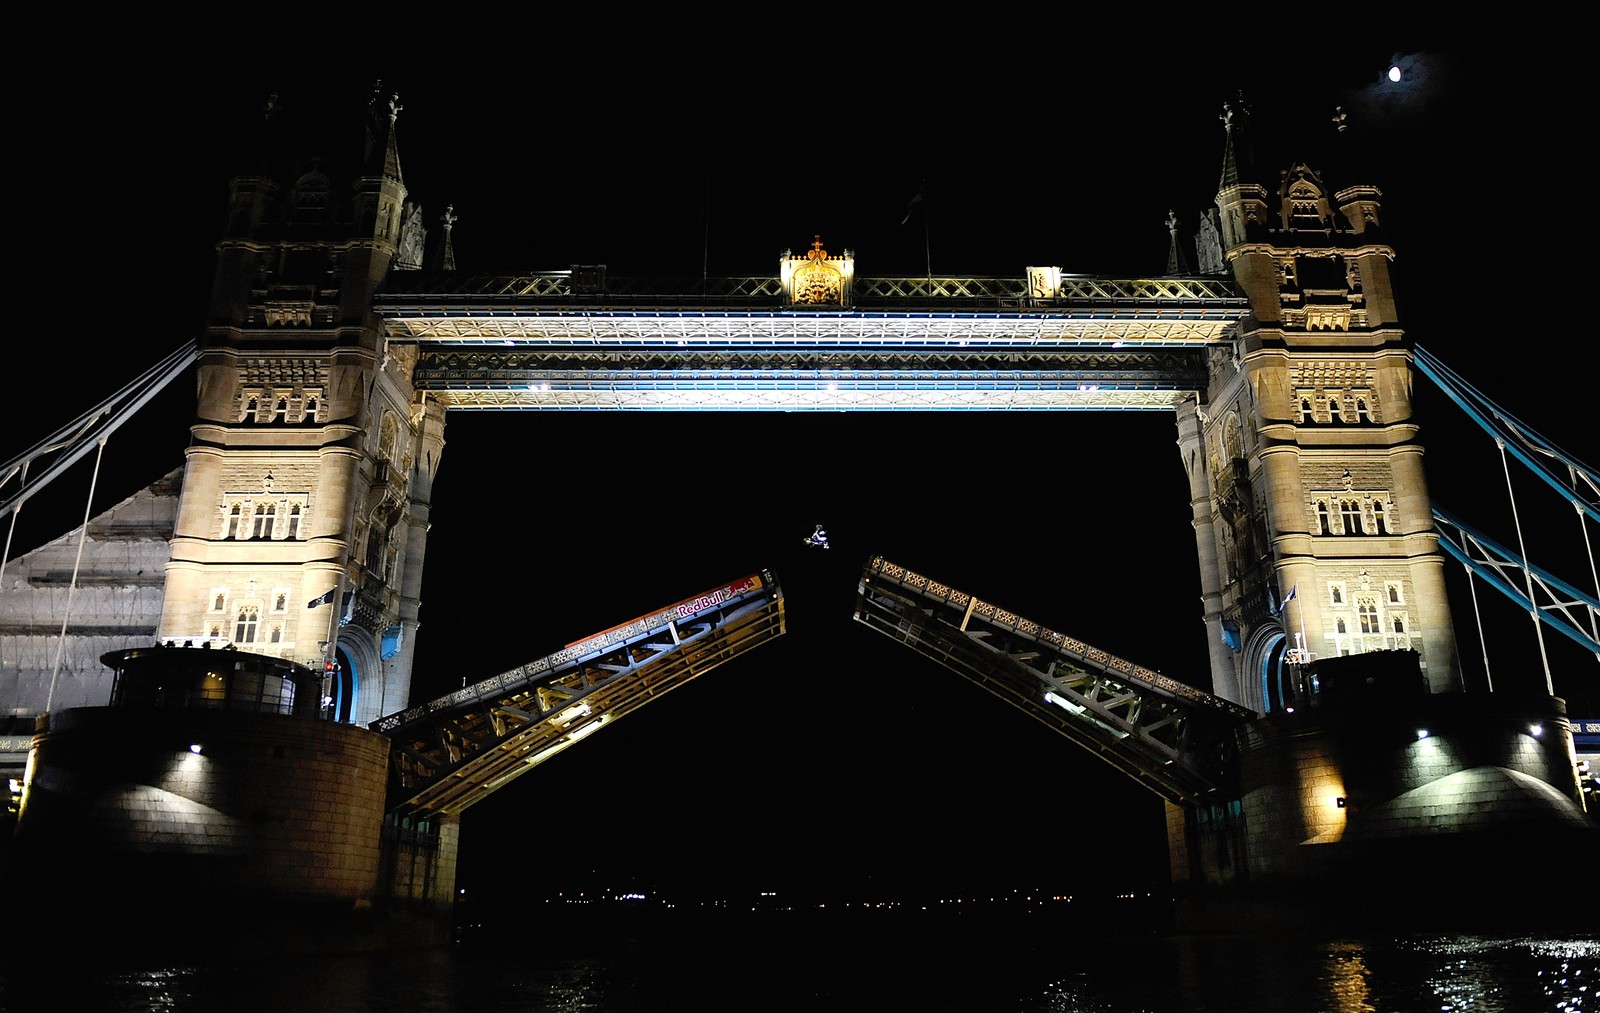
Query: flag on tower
column 911, row 207
column 326, row 599
column 1293, row 590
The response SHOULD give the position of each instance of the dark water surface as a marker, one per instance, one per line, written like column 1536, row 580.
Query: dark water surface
column 766, row 965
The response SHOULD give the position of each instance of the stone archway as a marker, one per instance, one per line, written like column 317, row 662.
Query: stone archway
column 1266, row 655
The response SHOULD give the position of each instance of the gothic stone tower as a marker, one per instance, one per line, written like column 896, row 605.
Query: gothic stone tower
column 1314, row 524
column 300, row 532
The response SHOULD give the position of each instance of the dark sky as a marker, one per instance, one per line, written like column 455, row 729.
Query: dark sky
column 831, row 753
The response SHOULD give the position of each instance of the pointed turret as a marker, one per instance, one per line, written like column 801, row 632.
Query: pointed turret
column 1360, row 201
column 1177, row 263
column 1238, row 161
column 1243, row 202
column 447, row 252
column 381, row 191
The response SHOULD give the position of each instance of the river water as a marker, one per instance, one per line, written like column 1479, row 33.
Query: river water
column 768, row 966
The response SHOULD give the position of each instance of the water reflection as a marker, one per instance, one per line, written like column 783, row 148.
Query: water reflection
column 960, row 971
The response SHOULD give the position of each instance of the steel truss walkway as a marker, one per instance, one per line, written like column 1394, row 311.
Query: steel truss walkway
column 456, row 750
column 1170, row 737
column 580, row 340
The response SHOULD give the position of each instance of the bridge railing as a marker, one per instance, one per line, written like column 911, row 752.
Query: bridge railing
column 497, row 686
column 408, row 289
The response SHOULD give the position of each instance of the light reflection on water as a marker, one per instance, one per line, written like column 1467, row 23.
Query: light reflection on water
column 761, row 971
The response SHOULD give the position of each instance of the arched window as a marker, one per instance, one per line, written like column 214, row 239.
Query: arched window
column 1338, row 625
column 295, row 515
column 1350, row 514
column 233, row 527
column 1305, row 411
column 1367, row 612
column 216, row 605
column 1362, row 414
column 277, row 633
column 244, row 630
column 264, row 516
column 1335, row 410
column 1379, row 520
column 1322, row 518
column 1337, row 594
column 281, row 602
column 1399, row 624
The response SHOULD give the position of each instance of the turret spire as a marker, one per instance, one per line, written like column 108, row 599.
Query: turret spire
column 1237, row 164
column 1177, row 263
column 447, row 252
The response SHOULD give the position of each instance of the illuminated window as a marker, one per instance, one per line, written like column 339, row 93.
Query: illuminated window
column 244, row 630
column 264, row 517
column 1367, row 613
column 1350, row 514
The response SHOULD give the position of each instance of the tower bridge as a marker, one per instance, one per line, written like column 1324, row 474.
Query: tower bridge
column 297, row 529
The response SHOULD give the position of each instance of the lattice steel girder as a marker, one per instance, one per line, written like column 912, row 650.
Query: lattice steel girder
column 798, row 400
column 438, row 289
column 810, row 330
column 494, row 760
column 1171, row 737
column 453, row 751
column 900, row 619
column 1187, row 363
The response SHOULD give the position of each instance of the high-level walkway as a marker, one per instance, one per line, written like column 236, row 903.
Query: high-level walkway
column 581, row 340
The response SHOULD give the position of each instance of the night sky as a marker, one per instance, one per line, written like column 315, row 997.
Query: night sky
column 831, row 755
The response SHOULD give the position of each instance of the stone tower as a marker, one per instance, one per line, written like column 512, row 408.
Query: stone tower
column 306, row 489
column 1312, row 515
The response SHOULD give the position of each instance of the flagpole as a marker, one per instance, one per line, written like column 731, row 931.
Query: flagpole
column 705, row 255
column 927, row 244
column 332, row 650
